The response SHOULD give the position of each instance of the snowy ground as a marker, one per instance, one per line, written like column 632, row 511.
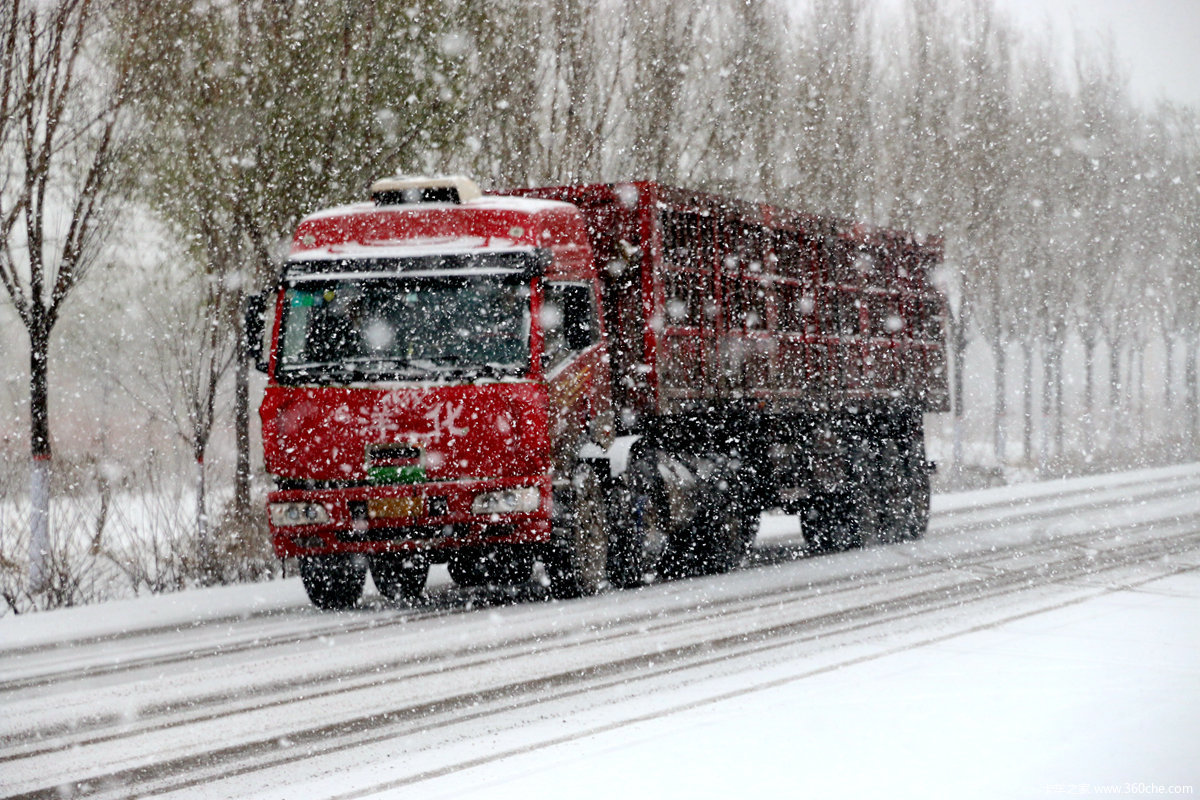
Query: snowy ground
column 1042, row 641
column 1104, row 693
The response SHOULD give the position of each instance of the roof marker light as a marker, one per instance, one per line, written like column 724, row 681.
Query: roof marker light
column 403, row 190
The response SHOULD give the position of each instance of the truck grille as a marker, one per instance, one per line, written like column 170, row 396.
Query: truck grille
column 404, row 533
column 426, row 532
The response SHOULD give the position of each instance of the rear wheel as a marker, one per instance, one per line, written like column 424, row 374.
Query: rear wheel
column 916, row 517
column 640, row 533
column 892, row 492
column 718, row 534
column 725, row 540
column 903, row 479
column 399, row 576
column 577, row 559
column 333, row 581
column 831, row 522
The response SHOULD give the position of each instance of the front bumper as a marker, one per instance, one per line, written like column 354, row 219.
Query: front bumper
column 424, row 516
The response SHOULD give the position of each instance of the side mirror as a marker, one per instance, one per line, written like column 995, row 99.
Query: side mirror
column 579, row 318
column 578, row 333
column 253, row 326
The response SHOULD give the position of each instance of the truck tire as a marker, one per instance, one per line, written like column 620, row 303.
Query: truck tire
column 465, row 569
column 916, row 520
column 900, row 480
column 577, row 558
column 498, row 566
column 831, row 522
column 640, row 522
column 399, row 576
column 718, row 536
column 333, row 582
column 512, row 566
column 724, row 544
column 891, row 492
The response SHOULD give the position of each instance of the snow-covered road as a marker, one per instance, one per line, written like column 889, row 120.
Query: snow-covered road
column 1041, row 638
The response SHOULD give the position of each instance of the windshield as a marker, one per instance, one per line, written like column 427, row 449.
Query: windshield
column 340, row 328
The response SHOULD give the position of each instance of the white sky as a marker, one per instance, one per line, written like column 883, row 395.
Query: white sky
column 1159, row 40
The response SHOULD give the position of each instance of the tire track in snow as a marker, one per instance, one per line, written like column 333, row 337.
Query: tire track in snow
column 817, row 587
column 195, row 708
column 379, row 727
column 450, row 600
column 420, row 777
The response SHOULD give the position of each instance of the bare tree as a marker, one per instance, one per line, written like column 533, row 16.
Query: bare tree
column 188, row 354
column 919, row 118
column 580, row 89
column 831, row 107
column 61, row 132
column 662, row 45
column 986, row 150
column 1183, row 180
column 505, row 64
column 1175, row 140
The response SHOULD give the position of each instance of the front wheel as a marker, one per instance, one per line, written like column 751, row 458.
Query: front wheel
column 334, row 581
column 399, row 576
column 577, row 559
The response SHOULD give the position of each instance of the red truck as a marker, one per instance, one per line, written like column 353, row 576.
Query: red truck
column 612, row 379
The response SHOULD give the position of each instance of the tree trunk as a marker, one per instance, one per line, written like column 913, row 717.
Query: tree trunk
column 999, row 442
column 1168, row 373
column 203, row 539
column 1141, row 398
column 1114, row 374
column 1089, row 401
column 1129, row 385
column 241, row 422
column 1192, row 389
column 959, row 348
column 1027, row 390
column 1058, row 346
column 39, row 523
column 1047, row 406
column 39, row 440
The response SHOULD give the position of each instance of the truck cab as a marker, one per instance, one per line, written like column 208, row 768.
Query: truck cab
column 436, row 370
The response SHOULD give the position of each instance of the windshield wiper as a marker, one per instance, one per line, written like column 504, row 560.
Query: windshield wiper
column 441, row 364
column 352, row 368
column 487, row 369
column 391, row 362
column 375, row 367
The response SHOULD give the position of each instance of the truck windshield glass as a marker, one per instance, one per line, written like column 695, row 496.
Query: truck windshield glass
column 434, row 327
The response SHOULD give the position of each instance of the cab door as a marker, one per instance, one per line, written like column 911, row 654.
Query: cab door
column 576, row 374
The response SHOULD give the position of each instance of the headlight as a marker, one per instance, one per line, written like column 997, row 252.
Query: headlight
column 285, row 514
column 507, row 501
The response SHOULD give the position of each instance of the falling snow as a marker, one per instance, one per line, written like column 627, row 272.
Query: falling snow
column 851, row 261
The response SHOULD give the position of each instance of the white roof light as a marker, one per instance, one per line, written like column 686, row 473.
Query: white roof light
column 401, row 189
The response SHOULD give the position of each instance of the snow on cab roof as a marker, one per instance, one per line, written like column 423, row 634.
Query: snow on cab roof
column 409, row 248
column 520, row 205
